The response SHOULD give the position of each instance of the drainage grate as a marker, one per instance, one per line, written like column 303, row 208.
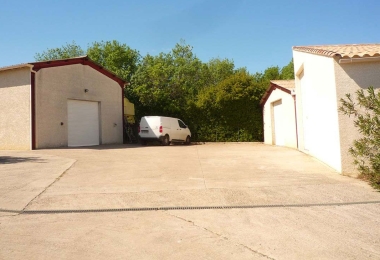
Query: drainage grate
column 188, row 208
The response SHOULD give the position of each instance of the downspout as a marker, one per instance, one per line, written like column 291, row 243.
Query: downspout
column 295, row 115
column 122, row 110
column 33, row 106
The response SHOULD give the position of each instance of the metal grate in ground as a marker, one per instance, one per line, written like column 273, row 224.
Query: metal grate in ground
column 66, row 211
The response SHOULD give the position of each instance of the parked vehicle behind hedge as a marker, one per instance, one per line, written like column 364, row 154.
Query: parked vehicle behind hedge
column 163, row 129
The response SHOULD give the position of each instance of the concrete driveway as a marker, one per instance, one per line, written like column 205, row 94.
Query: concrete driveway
column 283, row 204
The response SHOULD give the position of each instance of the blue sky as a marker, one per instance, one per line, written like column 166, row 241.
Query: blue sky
column 255, row 34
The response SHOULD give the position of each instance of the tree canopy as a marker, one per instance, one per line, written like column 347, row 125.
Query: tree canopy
column 163, row 84
column 287, row 72
column 116, row 57
column 112, row 55
column 69, row 50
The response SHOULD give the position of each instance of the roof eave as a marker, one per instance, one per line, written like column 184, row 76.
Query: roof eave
column 319, row 52
column 19, row 66
column 84, row 60
column 269, row 91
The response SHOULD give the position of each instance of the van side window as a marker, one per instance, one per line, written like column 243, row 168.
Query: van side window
column 181, row 124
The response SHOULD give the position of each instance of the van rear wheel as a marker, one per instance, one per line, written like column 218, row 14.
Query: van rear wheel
column 165, row 140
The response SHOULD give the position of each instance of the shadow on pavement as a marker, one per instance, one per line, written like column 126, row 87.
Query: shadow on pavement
column 15, row 159
column 120, row 146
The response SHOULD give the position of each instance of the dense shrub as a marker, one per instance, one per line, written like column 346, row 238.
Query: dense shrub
column 366, row 150
column 230, row 111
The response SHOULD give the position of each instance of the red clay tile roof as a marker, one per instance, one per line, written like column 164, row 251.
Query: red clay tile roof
column 285, row 85
column 344, row 51
column 289, row 84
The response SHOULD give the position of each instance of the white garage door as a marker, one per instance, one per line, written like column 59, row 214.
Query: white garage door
column 83, row 123
column 278, row 123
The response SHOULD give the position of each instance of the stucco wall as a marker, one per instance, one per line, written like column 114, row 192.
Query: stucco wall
column 317, row 100
column 54, row 86
column 15, row 121
column 289, row 127
column 350, row 78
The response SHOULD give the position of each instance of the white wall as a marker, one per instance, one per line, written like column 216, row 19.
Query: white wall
column 317, row 101
column 288, row 128
column 15, row 109
column 351, row 77
column 54, row 86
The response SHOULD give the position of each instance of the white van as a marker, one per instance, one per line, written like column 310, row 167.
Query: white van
column 163, row 129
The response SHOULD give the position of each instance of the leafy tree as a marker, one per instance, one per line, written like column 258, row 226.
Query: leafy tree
column 365, row 150
column 163, row 84
column 263, row 79
column 287, row 72
column 271, row 73
column 150, row 89
column 116, row 57
column 217, row 70
column 187, row 69
column 69, row 50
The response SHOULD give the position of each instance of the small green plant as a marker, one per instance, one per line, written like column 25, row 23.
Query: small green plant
column 365, row 150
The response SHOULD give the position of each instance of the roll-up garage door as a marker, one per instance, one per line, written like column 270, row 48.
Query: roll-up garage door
column 83, row 123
